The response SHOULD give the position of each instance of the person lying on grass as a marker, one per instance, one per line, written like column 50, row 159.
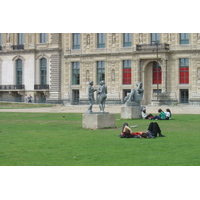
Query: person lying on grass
column 128, row 133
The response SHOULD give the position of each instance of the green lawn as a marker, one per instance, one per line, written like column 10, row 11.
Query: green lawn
column 9, row 105
column 55, row 139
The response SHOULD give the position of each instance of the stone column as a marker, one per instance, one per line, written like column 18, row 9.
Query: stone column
column 138, row 74
column 164, row 75
column 175, row 79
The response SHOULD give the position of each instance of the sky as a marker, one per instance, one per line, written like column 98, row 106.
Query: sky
column 105, row 16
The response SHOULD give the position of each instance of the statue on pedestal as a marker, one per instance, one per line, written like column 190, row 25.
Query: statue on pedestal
column 102, row 95
column 97, row 120
column 91, row 91
column 134, row 98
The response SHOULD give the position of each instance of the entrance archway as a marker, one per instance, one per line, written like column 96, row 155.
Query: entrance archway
column 150, row 80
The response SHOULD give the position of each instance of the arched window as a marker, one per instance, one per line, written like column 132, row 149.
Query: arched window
column 43, row 71
column 19, row 72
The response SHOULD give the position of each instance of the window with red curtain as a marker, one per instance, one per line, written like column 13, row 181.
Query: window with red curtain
column 126, row 72
column 157, row 74
column 184, row 71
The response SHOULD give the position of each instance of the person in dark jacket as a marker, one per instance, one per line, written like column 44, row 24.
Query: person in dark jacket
column 155, row 129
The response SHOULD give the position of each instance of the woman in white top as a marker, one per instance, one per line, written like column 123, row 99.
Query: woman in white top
column 168, row 114
column 144, row 114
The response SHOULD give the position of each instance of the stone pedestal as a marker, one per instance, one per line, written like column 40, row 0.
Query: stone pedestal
column 98, row 120
column 131, row 112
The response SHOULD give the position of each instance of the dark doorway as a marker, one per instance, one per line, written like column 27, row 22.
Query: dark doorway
column 184, row 96
column 75, row 97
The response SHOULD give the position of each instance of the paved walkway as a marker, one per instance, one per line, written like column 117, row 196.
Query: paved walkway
column 180, row 109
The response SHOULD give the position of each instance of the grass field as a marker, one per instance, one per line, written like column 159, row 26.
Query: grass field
column 9, row 105
column 35, row 139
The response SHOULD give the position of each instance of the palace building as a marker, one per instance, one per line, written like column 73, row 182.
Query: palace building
column 30, row 63
column 57, row 67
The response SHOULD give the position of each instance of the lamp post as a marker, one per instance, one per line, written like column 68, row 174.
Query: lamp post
column 70, row 82
column 156, row 43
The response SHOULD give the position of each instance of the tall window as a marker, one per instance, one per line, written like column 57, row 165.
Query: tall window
column 76, row 41
column 157, row 73
column 75, row 73
column 127, row 39
column 19, row 72
column 20, row 38
column 184, row 70
column 184, row 38
column 75, row 97
column 100, row 40
column 43, row 71
column 127, row 72
column 43, row 37
column 184, row 95
column 155, row 37
column 100, row 71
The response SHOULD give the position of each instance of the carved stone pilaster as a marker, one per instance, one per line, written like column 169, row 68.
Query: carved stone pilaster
column 164, row 75
column 168, row 38
column 55, row 74
column 138, row 71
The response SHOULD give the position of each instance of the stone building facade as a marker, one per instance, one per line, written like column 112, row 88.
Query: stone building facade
column 59, row 66
column 30, row 63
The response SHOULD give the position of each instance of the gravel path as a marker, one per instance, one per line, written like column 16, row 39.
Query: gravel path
column 109, row 108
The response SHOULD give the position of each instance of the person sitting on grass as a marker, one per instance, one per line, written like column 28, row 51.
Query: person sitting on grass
column 161, row 115
column 127, row 133
column 144, row 114
column 168, row 114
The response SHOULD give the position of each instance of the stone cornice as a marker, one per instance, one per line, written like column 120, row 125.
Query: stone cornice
column 28, row 51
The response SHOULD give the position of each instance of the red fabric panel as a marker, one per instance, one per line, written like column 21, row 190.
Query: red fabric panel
column 157, row 77
column 184, row 75
column 126, row 76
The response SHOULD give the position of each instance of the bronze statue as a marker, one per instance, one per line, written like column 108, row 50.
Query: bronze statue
column 91, row 91
column 102, row 95
column 135, row 97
